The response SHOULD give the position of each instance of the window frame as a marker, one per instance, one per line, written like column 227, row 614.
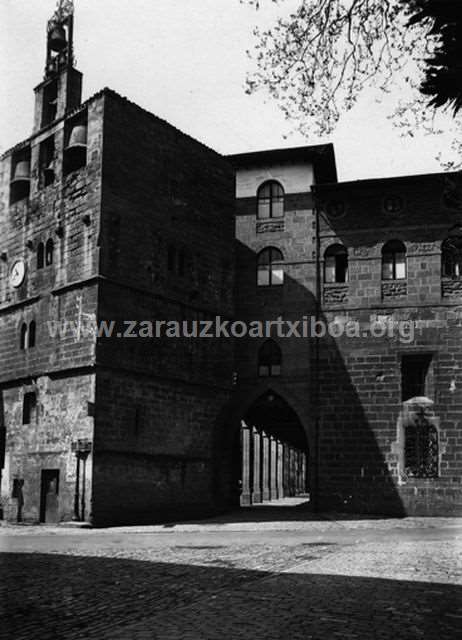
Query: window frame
column 49, row 252
column 40, row 255
column 391, row 251
column 269, row 359
column 333, row 266
column 451, row 253
column 275, row 276
column 29, row 406
column 274, row 201
column 421, row 442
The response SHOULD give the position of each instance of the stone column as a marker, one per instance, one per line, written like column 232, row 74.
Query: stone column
column 304, row 472
column 265, row 466
column 298, row 472
column 292, row 486
column 286, row 469
column 256, row 492
column 273, row 468
column 246, row 497
column 280, row 469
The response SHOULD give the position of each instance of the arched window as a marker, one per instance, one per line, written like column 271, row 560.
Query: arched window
column 31, row 337
column 451, row 257
column 269, row 359
column 49, row 252
column 270, row 271
column 393, row 260
column 421, row 449
column 336, row 263
column 40, row 255
column 270, row 200
column 29, row 407
column 23, row 336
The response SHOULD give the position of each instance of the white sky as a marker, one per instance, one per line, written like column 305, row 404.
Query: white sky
column 185, row 61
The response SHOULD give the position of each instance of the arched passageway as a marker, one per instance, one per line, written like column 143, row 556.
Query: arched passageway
column 273, row 452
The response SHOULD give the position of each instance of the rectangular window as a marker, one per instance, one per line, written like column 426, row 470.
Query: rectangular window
column 387, row 268
column 400, row 266
column 50, row 102
column 28, row 408
column 277, row 275
column 329, row 269
column 263, row 276
column 264, row 208
column 278, row 208
column 46, row 162
column 20, row 175
column 414, row 375
column 75, row 143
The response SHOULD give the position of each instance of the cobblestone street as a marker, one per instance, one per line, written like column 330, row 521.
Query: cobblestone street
column 269, row 573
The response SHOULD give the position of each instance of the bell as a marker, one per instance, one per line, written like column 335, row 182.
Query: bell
column 22, row 171
column 78, row 137
column 57, row 38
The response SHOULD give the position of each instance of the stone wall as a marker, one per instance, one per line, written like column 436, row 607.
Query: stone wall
column 361, row 446
column 58, row 368
column 167, row 254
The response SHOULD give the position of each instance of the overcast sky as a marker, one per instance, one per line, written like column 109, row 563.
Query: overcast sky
column 185, row 60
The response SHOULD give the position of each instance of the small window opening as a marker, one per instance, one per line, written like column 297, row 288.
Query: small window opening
column 421, row 450
column 23, row 336
column 20, row 175
column 49, row 252
column 46, row 162
column 50, row 102
column 336, row 264
column 29, row 407
column 394, row 260
column 415, row 375
column 40, row 255
column 269, row 359
column 270, row 271
column 75, row 150
column 31, row 336
column 270, row 200
column 451, row 257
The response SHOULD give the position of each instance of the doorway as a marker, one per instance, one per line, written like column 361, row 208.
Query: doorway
column 49, row 496
column 273, row 452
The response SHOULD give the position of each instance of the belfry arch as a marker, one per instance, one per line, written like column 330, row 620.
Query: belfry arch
column 271, row 452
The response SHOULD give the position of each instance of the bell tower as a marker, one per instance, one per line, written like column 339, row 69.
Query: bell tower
column 61, row 89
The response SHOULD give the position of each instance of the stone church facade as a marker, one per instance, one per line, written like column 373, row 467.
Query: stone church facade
column 111, row 217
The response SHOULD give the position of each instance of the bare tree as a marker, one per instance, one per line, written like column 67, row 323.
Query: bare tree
column 317, row 60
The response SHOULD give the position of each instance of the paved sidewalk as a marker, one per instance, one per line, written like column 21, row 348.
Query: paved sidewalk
column 260, row 577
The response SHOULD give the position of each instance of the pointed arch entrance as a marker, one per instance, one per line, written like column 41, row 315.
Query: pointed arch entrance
column 273, row 452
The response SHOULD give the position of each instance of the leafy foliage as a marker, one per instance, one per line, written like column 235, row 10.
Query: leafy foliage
column 317, row 60
column 443, row 73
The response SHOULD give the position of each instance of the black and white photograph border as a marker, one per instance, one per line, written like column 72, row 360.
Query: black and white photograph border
column 231, row 319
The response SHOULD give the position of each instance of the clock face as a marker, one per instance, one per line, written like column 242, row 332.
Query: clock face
column 17, row 273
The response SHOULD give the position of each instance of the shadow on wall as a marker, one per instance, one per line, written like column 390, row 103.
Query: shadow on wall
column 2, row 449
column 348, row 470
column 117, row 598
